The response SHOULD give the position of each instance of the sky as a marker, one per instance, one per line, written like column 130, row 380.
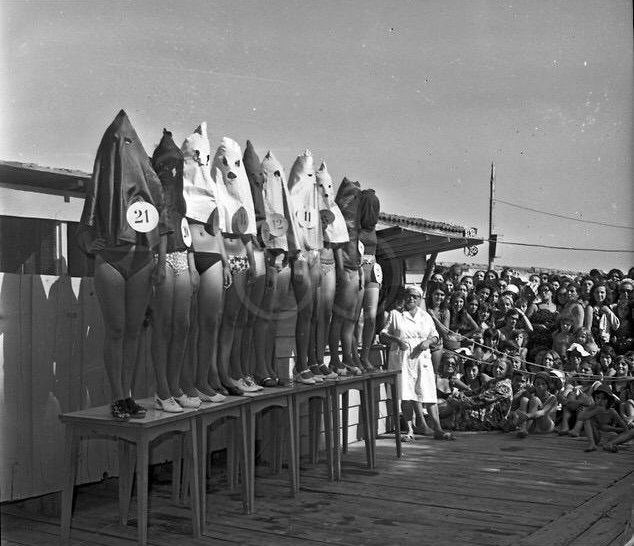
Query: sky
column 412, row 98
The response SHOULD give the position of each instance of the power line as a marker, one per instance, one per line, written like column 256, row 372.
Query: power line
column 562, row 216
column 562, row 247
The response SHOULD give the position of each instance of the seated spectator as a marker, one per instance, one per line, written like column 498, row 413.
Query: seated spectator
column 599, row 317
column 545, row 293
column 485, row 316
column 607, row 361
column 561, row 297
column 563, row 337
column 573, row 307
column 601, row 418
column 541, row 406
column 489, row 408
column 546, row 361
column 520, row 337
column 459, row 320
column 473, row 302
column 584, row 337
column 578, row 397
column 623, row 337
column 520, row 389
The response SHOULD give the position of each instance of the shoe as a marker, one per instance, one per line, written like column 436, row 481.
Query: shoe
column 522, row 434
column 216, row 397
column 252, row 383
column 353, row 370
column 135, row 411
column 233, row 390
column 265, row 381
column 305, row 377
column 316, row 371
column 341, row 371
column 246, row 386
column 168, row 405
column 119, row 410
column 327, row 373
column 188, row 401
column 409, row 437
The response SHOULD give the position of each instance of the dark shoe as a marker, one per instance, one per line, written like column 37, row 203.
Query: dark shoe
column 233, row 391
column 265, row 381
column 135, row 411
column 119, row 410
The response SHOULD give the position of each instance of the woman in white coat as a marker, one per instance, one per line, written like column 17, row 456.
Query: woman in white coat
column 414, row 331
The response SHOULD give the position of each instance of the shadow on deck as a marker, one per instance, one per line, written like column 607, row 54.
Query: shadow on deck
column 484, row 488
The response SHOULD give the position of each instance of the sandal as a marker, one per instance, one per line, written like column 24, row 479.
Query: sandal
column 119, row 410
column 135, row 411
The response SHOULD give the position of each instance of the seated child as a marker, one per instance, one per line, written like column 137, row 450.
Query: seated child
column 602, row 417
column 624, row 390
column 539, row 417
column 607, row 360
column 578, row 396
column 611, row 444
column 472, row 380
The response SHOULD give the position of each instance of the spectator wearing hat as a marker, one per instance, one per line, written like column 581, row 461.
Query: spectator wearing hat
column 601, row 418
column 541, row 406
column 414, row 332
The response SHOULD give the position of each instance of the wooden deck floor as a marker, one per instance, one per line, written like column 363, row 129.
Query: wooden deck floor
column 484, row 488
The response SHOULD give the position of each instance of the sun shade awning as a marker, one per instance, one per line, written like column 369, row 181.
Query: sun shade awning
column 404, row 237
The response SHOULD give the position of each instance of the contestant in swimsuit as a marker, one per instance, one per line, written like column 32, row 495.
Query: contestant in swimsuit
column 122, row 223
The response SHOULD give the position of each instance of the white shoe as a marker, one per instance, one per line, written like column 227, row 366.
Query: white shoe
column 251, row 382
column 168, row 405
column 244, row 385
column 188, row 401
column 216, row 398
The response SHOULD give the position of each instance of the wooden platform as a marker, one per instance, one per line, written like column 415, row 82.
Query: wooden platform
column 484, row 488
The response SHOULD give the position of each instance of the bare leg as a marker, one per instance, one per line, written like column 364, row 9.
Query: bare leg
column 230, row 368
column 180, row 328
column 110, row 288
column 210, row 307
column 304, row 278
column 344, row 319
column 592, row 433
column 432, row 412
column 190, row 364
column 255, row 296
column 370, row 304
column 326, row 300
column 420, row 418
column 263, row 336
column 162, row 305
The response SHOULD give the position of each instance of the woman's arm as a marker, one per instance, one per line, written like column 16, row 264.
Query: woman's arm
column 588, row 315
column 527, row 323
column 549, row 406
column 613, row 320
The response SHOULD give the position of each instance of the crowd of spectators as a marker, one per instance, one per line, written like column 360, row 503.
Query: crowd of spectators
column 547, row 353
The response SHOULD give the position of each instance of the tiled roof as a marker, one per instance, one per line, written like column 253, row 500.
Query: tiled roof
column 409, row 222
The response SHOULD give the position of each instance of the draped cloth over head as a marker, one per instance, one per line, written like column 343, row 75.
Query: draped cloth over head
column 237, row 213
column 369, row 210
column 348, row 198
column 281, row 224
column 199, row 189
column 167, row 161
column 335, row 230
column 253, row 167
column 305, row 202
column 122, row 175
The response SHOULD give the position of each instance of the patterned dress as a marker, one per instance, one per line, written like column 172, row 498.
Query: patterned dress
column 487, row 410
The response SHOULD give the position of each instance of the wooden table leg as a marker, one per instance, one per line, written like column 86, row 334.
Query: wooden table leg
column 367, row 424
column 244, row 467
column 72, row 442
column 251, row 461
column 126, row 477
column 196, row 487
column 202, row 472
column 336, row 433
column 327, row 410
column 397, row 423
column 177, row 467
column 293, row 450
column 142, row 464
column 345, row 403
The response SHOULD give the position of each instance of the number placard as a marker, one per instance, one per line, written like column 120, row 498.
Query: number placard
column 185, row 233
column 142, row 216
column 278, row 225
column 307, row 217
column 327, row 216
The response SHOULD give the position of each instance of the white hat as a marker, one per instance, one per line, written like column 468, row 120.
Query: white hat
column 578, row 348
column 512, row 288
column 464, row 351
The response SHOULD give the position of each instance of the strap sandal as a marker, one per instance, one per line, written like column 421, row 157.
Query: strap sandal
column 341, row 371
column 305, row 377
column 168, row 405
column 135, row 411
column 188, row 401
column 119, row 410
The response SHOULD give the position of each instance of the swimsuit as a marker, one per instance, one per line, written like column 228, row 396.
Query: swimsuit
column 368, row 263
column 127, row 259
column 204, row 260
column 177, row 261
column 238, row 264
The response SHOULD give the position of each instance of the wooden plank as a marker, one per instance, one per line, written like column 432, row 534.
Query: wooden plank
column 569, row 528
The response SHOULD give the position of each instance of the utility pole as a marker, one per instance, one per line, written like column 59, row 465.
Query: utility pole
column 492, row 236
